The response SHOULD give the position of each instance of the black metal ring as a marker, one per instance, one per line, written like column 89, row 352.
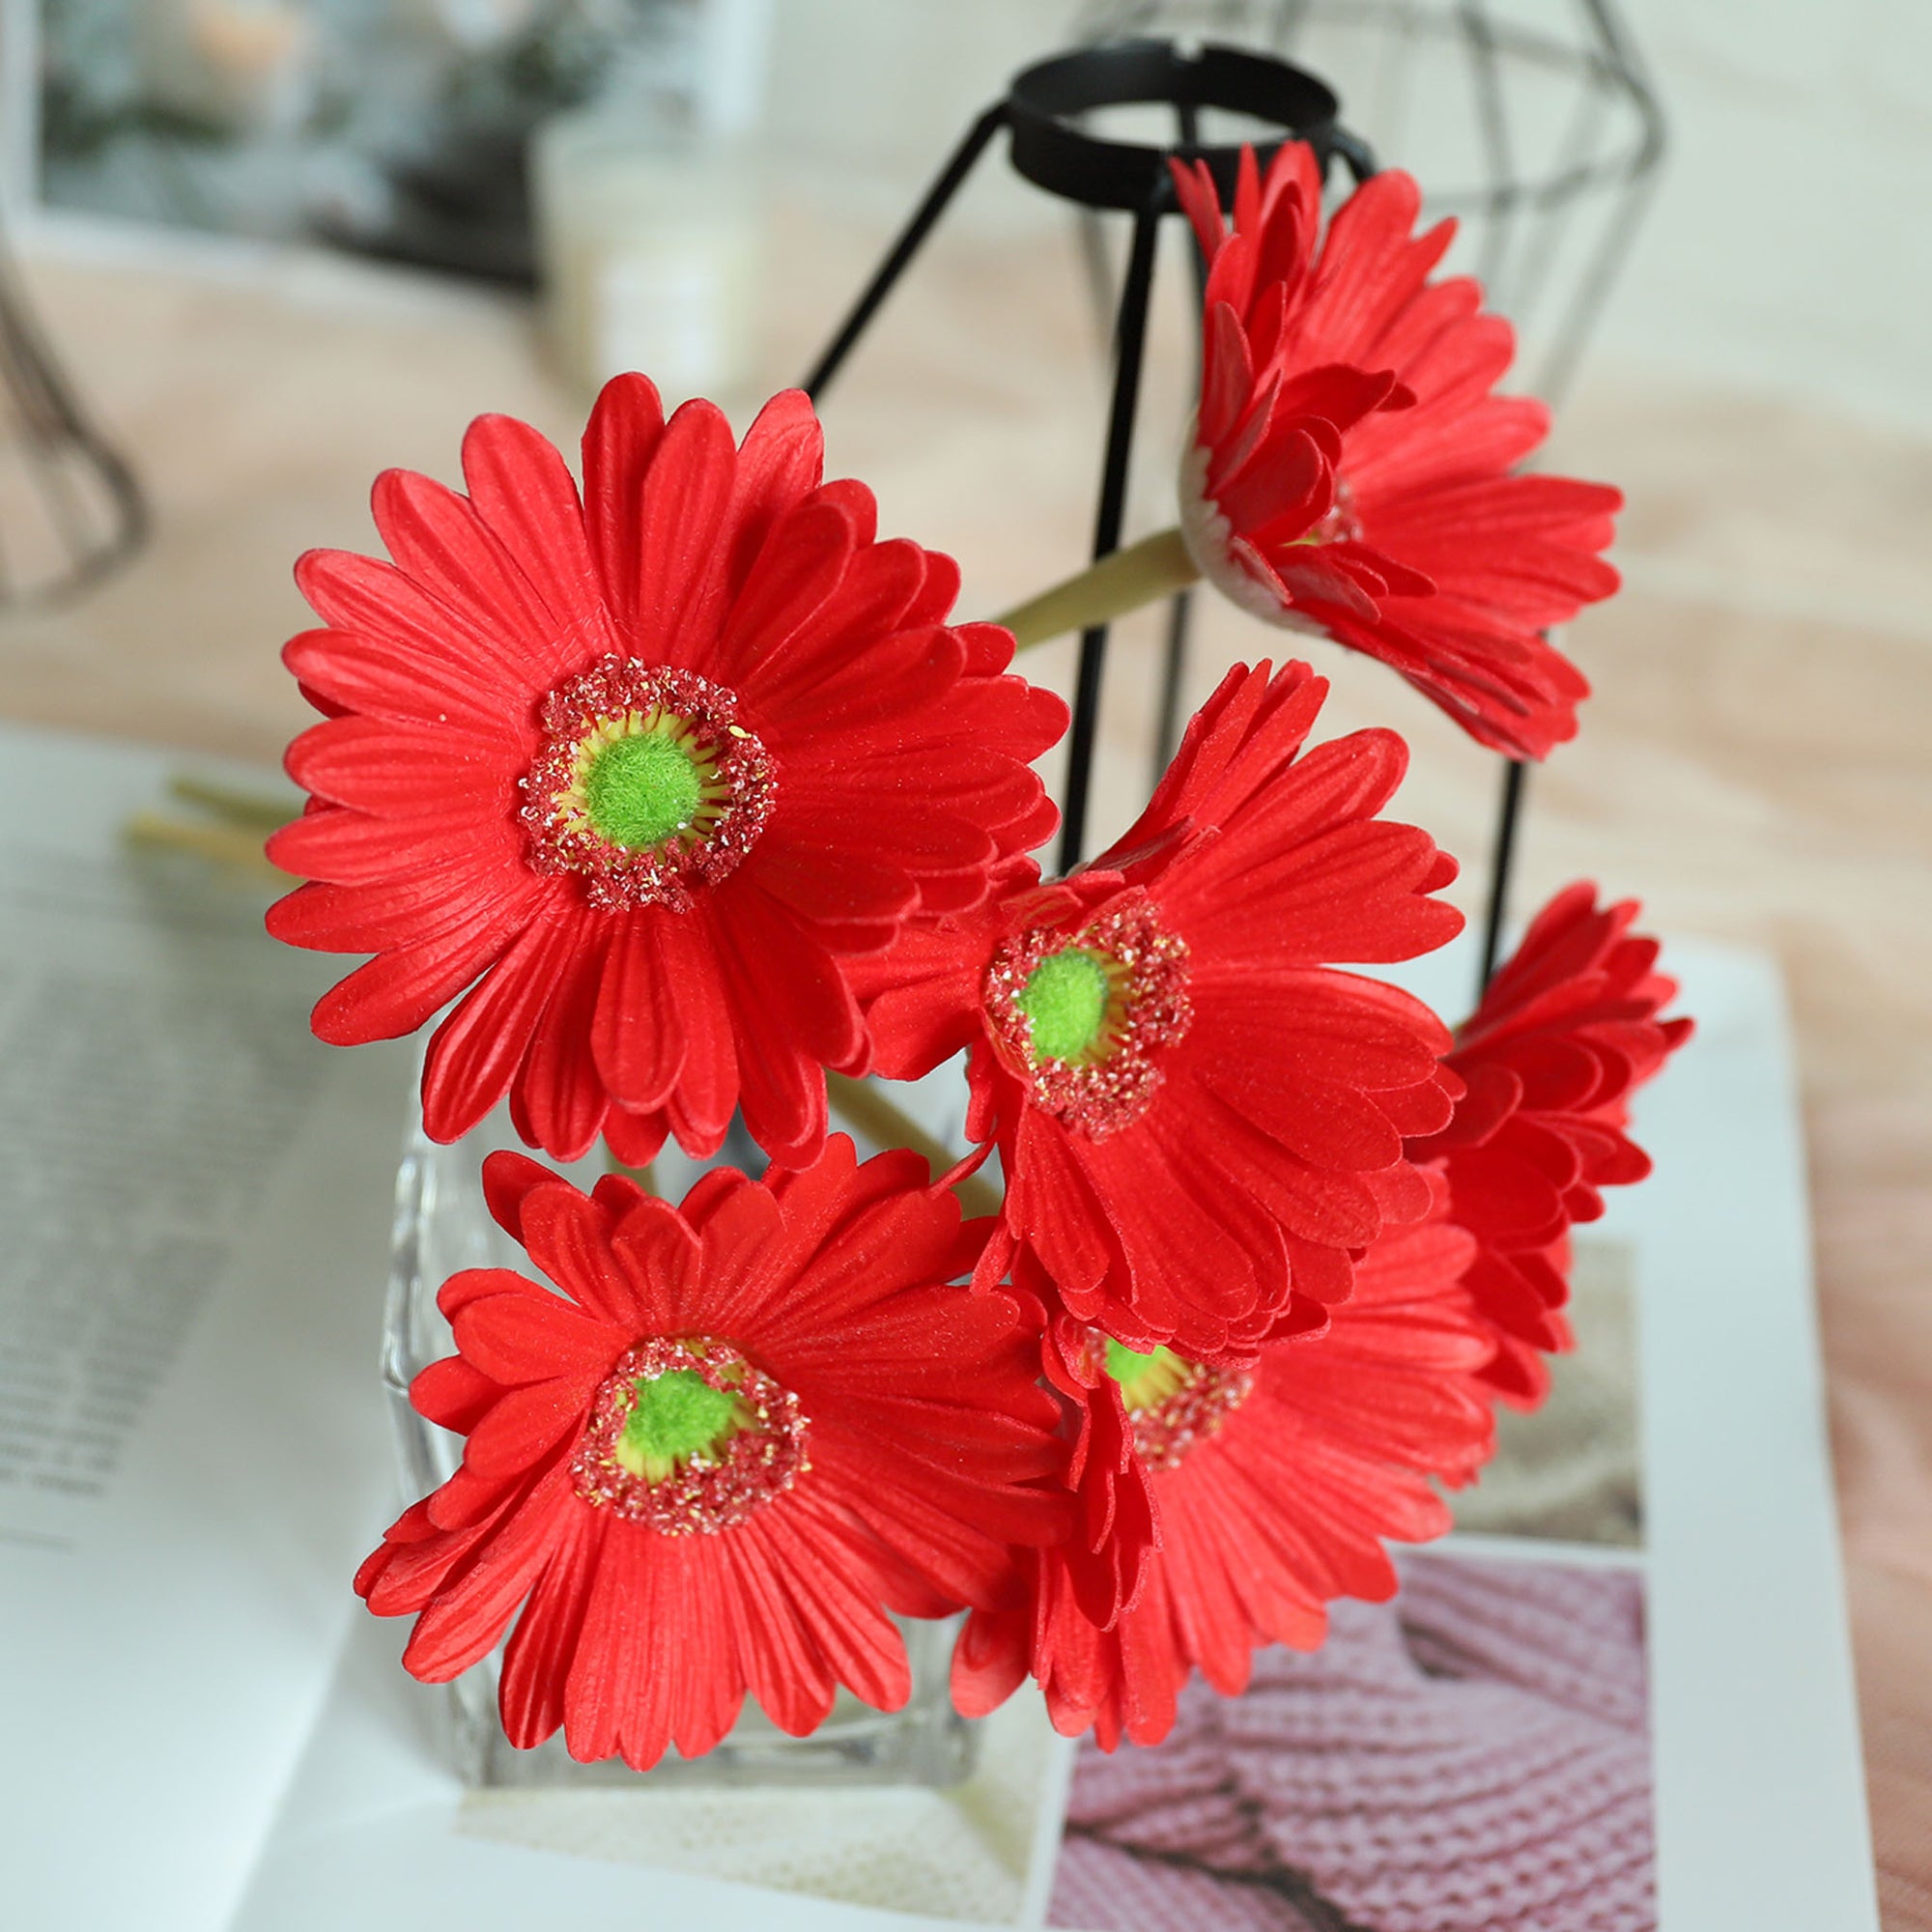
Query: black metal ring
column 1054, row 152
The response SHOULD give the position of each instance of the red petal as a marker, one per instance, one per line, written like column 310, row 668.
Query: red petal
column 676, row 593
column 476, row 1051
column 467, row 1616
column 620, row 440
column 522, row 490
column 537, row 1660
column 559, row 1100
column 637, row 1036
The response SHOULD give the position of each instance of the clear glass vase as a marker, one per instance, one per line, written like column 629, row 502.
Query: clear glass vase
column 442, row 1226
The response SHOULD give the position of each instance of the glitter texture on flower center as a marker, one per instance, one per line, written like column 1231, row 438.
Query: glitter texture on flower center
column 1172, row 1403
column 646, row 785
column 688, row 1439
column 1084, row 1016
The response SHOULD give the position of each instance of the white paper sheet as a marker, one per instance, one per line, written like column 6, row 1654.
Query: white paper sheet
column 193, row 1205
column 1762, row 1824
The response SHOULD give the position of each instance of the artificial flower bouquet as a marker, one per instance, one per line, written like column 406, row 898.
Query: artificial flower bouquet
column 685, row 794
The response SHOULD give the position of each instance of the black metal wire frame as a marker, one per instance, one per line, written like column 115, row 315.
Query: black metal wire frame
column 1610, row 66
column 1129, row 343
column 51, row 421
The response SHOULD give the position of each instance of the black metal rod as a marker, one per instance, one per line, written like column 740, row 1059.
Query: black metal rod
column 1129, row 339
column 1515, row 775
column 1173, row 683
column 1492, row 120
column 53, row 434
column 1181, row 612
column 937, row 196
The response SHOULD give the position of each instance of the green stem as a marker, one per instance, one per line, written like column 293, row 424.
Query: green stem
column 1144, row 573
column 225, row 844
column 645, row 1177
column 247, row 809
column 861, row 1105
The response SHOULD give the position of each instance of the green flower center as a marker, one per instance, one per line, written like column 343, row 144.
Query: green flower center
column 1146, row 1380
column 1084, row 1017
column 644, row 787
column 678, row 1416
column 1066, row 998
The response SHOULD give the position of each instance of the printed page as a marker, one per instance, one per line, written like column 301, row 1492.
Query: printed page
column 1625, row 1677
column 194, row 1206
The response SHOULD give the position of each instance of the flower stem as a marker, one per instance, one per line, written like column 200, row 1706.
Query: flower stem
column 247, row 809
column 1156, row 567
column 225, row 844
column 861, row 1105
column 645, row 1177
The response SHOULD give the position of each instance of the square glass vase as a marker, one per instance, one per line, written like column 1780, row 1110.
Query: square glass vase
column 442, row 1226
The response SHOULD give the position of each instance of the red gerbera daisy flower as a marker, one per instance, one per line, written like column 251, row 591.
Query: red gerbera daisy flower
column 1199, row 1119
column 1350, row 467
column 639, row 772
column 1272, row 1487
column 743, row 1431
column 1566, row 1032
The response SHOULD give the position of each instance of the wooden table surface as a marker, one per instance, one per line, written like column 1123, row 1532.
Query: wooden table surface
column 1757, row 762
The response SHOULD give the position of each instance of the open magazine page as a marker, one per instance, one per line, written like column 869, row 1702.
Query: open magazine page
column 1620, row 1695
column 1626, row 1678
column 1475, row 1753
column 193, row 1200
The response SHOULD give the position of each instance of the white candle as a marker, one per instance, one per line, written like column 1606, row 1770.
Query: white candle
column 239, row 63
column 651, row 250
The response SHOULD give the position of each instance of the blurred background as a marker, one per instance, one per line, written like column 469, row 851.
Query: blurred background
column 263, row 249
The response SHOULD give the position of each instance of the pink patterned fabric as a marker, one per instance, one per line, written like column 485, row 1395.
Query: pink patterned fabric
column 1472, row 1758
